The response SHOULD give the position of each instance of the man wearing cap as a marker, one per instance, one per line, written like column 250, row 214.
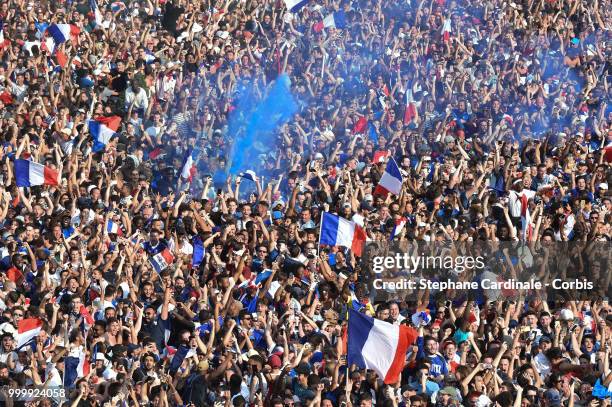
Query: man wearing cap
column 447, row 396
column 540, row 360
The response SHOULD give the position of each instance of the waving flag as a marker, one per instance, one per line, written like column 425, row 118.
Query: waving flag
column 182, row 353
column 189, row 164
column 28, row 329
column 29, row 174
column 102, row 129
column 378, row 345
column 526, row 226
column 162, row 260
column 3, row 41
column 391, row 180
column 400, row 223
column 96, row 12
column 446, row 30
column 59, row 34
column 333, row 20
column 249, row 174
column 112, row 227
column 379, row 156
column 295, row 5
column 361, row 125
column 75, row 368
column 88, row 320
column 198, row 252
column 117, row 6
column 410, row 108
column 337, row 231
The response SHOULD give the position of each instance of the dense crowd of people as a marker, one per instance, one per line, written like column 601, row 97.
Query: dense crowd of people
column 154, row 283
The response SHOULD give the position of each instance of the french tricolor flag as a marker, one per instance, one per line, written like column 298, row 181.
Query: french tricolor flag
column 88, row 319
column 162, row 260
column 59, row 34
column 29, row 174
column 446, row 30
column 189, row 164
column 334, row 20
column 410, row 109
column 96, row 12
column 400, row 224
column 391, row 180
column 102, row 129
column 28, row 329
column 337, row 231
column 378, row 345
column 3, row 41
column 112, row 227
column 527, row 228
column 295, row 5
column 117, row 6
column 75, row 368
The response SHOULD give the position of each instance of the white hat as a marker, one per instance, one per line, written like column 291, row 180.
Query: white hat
column 566, row 315
column 603, row 185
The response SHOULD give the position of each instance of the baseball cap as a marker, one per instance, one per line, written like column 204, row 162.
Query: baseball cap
column 450, row 391
column 274, row 361
column 277, row 215
column 553, row 397
column 365, row 206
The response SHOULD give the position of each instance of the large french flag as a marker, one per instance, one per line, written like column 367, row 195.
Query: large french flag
column 378, row 345
column 59, row 34
column 75, row 368
column 27, row 329
column 102, row 129
column 29, row 173
column 391, row 180
column 337, row 231
column 295, row 5
column 162, row 260
column 334, row 20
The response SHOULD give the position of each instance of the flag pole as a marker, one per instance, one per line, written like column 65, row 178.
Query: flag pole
column 320, row 229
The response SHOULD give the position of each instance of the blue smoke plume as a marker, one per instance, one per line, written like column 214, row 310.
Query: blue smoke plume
column 253, row 122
